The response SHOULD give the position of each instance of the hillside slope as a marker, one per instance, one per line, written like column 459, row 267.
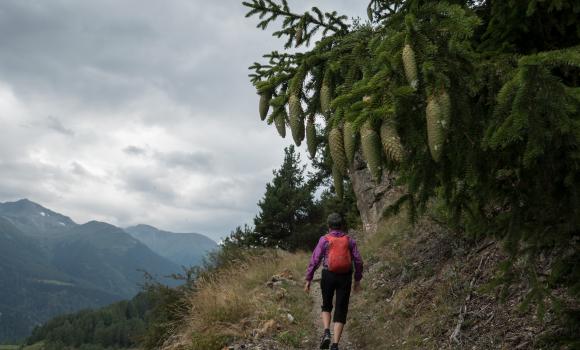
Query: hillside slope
column 109, row 258
column 427, row 287
column 32, row 289
column 424, row 288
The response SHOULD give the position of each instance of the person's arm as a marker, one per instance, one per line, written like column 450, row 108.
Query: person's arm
column 314, row 262
column 358, row 263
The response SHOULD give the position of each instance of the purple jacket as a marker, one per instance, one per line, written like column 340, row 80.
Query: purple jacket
column 320, row 255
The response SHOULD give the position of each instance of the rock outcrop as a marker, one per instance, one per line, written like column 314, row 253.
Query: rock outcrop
column 372, row 197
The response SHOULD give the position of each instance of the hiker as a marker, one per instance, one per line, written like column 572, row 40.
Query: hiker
column 337, row 252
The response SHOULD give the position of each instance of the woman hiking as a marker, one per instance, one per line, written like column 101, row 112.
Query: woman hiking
column 337, row 252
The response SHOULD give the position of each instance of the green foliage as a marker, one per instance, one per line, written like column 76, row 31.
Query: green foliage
column 530, row 26
column 145, row 321
column 290, row 217
column 287, row 210
column 507, row 77
column 242, row 237
column 119, row 325
column 168, row 307
column 308, row 23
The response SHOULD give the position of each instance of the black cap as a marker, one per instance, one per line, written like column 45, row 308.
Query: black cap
column 334, row 221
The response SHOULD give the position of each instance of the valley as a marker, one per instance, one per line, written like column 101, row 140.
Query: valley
column 50, row 265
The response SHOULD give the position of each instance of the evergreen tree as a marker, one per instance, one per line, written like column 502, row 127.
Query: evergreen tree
column 288, row 213
column 241, row 237
column 473, row 102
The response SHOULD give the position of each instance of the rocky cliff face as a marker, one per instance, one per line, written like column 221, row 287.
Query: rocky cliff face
column 372, row 197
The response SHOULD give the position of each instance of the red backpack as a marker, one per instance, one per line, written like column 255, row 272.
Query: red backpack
column 339, row 259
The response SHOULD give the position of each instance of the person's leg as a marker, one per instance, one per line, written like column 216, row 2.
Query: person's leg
column 338, row 327
column 327, row 290
column 341, row 310
column 326, row 319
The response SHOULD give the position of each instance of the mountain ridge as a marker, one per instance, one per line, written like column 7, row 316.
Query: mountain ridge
column 50, row 265
column 34, row 219
column 185, row 249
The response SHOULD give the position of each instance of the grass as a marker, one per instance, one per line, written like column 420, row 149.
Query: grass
column 417, row 279
column 234, row 303
column 405, row 304
column 412, row 306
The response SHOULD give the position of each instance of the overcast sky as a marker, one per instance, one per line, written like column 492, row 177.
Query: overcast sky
column 134, row 111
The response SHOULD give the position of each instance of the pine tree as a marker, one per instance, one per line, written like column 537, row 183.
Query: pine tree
column 287, row 210
column 484, row 97
column 242, row 237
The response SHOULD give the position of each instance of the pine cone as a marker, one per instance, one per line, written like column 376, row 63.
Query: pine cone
column 410, row 65
column 311, row 141
column 301, row 132
column 391, row 142
column 296, row 119
column 280, row 122
column 338, row 184
column 371, row 149
column 445, row 104
column 336, row 145
column 325, row 94
column 435, row 129
column 265, row 98
column 299, row 35
column 349, row 137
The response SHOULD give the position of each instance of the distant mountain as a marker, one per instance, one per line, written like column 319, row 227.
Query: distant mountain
column 184, row 249
column 33, row 219
column 32, row 290
column 49, row 265
column 109, row 257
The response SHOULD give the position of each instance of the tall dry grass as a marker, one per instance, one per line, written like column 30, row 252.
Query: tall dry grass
column 233, row 302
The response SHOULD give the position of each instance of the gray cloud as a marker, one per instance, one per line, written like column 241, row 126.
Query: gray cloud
column 79, row 169
column 135, row 151
column 55, row 124
column 155, row 189
column 159, row 118
column 188, row 160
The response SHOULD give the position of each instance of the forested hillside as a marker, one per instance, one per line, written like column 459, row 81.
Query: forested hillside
column 50, row 265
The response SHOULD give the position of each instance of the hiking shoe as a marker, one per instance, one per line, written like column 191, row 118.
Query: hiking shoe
column 325, row 341
column 334, row 347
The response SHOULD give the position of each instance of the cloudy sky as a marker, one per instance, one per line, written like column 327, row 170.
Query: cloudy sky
column 133, row 111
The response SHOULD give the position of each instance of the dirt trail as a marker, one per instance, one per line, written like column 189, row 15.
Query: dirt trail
column 345, row 343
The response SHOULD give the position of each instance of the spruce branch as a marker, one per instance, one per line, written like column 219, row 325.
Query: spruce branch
column 378, row 10
column 298, row 28
column 279, row 64
column 566, row 57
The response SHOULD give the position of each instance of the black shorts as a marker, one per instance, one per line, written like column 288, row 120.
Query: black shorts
column 332, row 283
